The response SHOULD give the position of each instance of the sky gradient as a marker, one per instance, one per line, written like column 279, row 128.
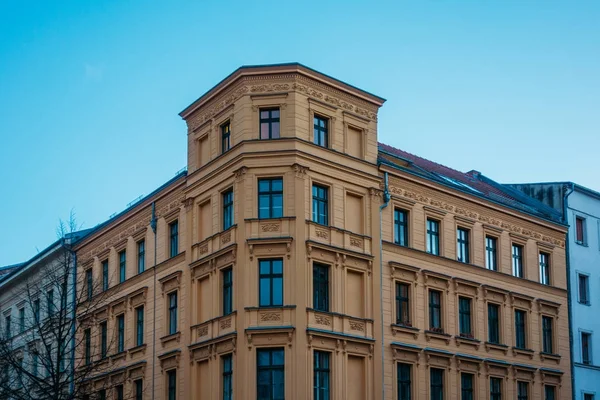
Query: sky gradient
column 90, row 91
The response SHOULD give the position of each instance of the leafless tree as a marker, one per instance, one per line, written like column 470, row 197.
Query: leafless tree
column 52, row 346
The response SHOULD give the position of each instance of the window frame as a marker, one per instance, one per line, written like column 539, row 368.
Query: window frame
column 138, row 385
column 401, row 226
column 498, row 323
column 271, row 276
column 174, row 238
column 432, row 307
column 520, row 394
column 400, row 300
column 518, row 332
column 320, row 283
column 227, row 376
column 517, row 260
column 401, row 383
column 103, row 326
column 463, row 244
column 139, row 325
column 588, row 343
column 225, row 129
column 270, row 193
column 89, row 283
column 171, row 384
column 87, row 333
column 491, row 253
column 122, row 256
column 580, row 221
column 105, row 272
column 321, row 372
column 270, row 120
column 469, row 391
column 553, row 396
column 271, row 368
column 433, row 236
column 545, row 265
column 581, row 300
column 323, row 131
column 316, row 201
column 441, row 385
column 141, row 256
column 496, row 395
column 547, row 334
column 227, row 208
column 172, row 313
column 227, row 290
column 120, row 332
column 465, row 317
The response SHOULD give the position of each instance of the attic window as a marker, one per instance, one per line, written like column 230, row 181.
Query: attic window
column 458, row 183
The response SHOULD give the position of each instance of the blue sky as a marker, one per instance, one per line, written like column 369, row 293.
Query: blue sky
column 90, row 91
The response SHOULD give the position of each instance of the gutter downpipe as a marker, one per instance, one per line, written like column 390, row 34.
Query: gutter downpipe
column 73, row 310
column 569, row 302
column 386, row 200
column 153, row 226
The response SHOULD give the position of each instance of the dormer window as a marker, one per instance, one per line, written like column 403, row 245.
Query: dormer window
column 321, row 131
column 269, row 123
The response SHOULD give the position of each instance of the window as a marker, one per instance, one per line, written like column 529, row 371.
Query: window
column 544, row 268
column 321, row 388
column 34, row 363
column 139, row 326
column 36, row 310
column 462, row 245
column 103, row 339
column 227, row 209
column 7, row 327
column 404, row 377
column 174, row 238
column 520, row 336
column 493, row 323
column 320, row 287
column 433, row 237
column 141, row 259
column 104, row 275
column 88, row 345
column 225, row 136
column 122, row 266
column 102, row 394
column 466, row 386
column 435, row 311
column 436, row 378
column 172, row 313
column 320, row 208
column 227, row 361
column 227, row 291
column 21, row 319
column 495, row 388
column 517, row 260
column 579, row 230
column 547, row 335
column 403, row 304
column 89, row 280
column 50, row 302
column 269, row 123
column 270, row 374
column 139, row 389
column 270, row 198
column 119, row 392
column 320, row 129
column 586, row 348
column 271, row 282
column 120, row 333
column 172, row 384
column 550, row 392
column 588, row 396
column 464, row 316
column 584, row 289
column 401, row 227
column 522, row 390
column 491, row 253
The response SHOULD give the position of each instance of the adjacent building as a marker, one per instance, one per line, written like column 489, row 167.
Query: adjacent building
column 580, row 209
column 299, row 258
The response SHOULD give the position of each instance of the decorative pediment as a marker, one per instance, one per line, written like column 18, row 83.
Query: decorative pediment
column 170, row 282
column 169, row 360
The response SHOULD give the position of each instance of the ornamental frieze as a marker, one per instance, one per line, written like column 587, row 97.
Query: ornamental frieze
column 482, row 218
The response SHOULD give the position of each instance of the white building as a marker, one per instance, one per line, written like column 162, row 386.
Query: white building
column 580, row 208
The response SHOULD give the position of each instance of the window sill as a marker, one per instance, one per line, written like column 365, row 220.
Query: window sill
column 437, row 335
column 496, row 346
column 137, row 349
column 170, row 338
column 524, row 352
column 587, row 304
column 467, row 341
column 550, row 356
column 401, row 328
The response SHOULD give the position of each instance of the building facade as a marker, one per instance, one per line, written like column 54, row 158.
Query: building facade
column 315, row 263
column 580, row 209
